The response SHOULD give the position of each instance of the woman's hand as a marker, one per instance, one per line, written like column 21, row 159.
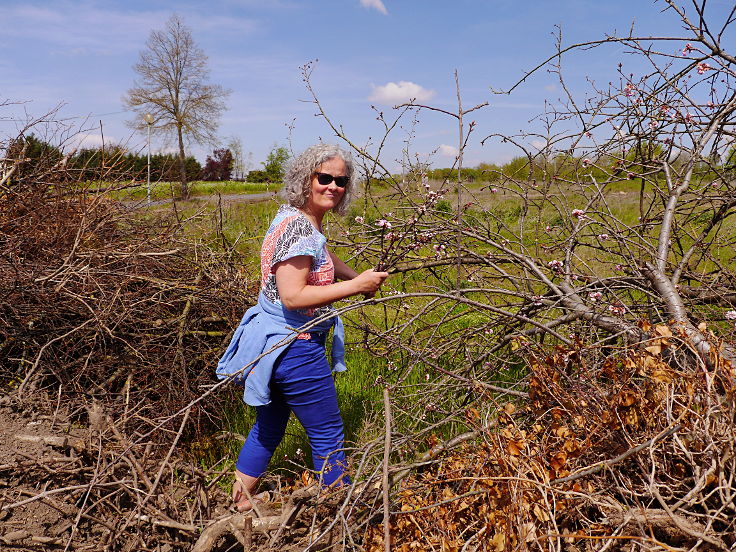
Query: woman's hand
column 368, row 282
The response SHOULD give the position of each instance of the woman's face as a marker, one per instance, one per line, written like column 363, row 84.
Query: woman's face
column 322, row 197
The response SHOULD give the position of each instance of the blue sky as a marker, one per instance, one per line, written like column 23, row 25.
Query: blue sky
column 80, row 54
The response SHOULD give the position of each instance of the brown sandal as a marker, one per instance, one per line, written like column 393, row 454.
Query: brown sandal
column 241, row 502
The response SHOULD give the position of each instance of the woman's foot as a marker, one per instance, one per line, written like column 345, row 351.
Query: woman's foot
column 243, row 489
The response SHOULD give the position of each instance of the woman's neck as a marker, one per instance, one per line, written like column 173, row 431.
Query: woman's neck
column 314, row 218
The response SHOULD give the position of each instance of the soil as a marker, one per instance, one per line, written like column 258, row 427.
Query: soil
column 30, row 441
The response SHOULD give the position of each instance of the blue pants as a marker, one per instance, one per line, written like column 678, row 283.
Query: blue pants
column 301, row 382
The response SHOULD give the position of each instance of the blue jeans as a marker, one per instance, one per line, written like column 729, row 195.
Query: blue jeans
column 302, row 382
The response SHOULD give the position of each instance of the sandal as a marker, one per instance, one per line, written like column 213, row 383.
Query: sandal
column 241, row 502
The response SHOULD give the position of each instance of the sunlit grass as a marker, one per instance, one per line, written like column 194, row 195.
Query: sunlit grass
column 167, row 190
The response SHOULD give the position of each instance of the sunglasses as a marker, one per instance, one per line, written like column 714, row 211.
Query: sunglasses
column 325, row 179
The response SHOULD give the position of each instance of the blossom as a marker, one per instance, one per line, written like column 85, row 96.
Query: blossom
column 603, row 237
column 548, row 228
column 617, row 308
column 618, row 268
column 555, row 265
column 595, row 296
column 629, row 90
column 688, row 117
column 687, row 49
column 586, row 162
column 653, row 124
column 537, row 300
column 383, row 223
column 578, row 213
column 630, row 176
column 703, row 67
column 359, row 220
column 494, row 190
column 730, row 315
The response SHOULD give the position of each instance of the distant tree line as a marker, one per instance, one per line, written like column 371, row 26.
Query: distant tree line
column 115, row 162
column 567, row 167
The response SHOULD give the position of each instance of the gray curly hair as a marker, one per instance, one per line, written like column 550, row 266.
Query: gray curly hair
column 297, row 180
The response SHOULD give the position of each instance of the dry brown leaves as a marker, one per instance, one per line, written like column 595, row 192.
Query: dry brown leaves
column 563, row 469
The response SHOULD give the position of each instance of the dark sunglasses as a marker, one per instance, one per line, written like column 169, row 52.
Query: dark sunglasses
column 325, row 179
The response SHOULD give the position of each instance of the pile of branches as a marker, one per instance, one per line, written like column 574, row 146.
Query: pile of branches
column 105, row 303
column 607, row 452
column 101, row 486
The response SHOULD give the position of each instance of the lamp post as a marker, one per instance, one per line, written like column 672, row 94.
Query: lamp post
column 148, row 117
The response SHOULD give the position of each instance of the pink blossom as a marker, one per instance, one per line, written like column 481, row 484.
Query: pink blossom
column 703, row 67
column 730, row 315
column 603, row 237
column 586, row 162
column 548, row 228
column 359, row 220
column 578, row 213
column 629, row 90
column 617, row 308
column 687, row 49
column 688, row 117
column 537, row 300
column 653, row 124
column 631, row 175
column 595, row 296
column 618, row 268
column 494, row 190
column 555, row 265
column 711, row 105
column 383, row 223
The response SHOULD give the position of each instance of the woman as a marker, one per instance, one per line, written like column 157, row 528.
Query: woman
column 298, row 285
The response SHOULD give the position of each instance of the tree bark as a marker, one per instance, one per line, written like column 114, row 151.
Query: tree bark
column 182, row 164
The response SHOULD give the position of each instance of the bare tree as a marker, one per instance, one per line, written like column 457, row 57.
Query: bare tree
column 174, row 88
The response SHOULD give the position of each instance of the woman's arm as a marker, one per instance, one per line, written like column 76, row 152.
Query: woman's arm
column 295, row 293
column 342, row 271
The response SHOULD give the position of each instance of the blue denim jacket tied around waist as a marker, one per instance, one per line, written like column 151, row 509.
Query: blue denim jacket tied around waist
column 263, row 326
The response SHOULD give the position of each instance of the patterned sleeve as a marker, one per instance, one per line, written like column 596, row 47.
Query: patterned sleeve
column 297, row 237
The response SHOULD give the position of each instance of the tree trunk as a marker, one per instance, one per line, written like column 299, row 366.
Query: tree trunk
column 182, row 165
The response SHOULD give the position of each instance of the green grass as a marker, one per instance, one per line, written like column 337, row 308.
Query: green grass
column 359, row 396
column 165, row 190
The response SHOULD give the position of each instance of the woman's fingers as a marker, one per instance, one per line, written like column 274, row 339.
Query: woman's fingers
column 370, row 280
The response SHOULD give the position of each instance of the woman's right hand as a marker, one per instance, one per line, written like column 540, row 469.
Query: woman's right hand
column 368, row 282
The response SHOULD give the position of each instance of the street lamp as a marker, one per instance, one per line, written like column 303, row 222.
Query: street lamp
column 148, row 118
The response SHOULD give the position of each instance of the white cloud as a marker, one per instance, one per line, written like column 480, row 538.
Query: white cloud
column 550, row 87
column 375, row 4
column 395, row 93
column 448, row 151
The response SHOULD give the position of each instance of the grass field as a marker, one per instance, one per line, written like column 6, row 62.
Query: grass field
column 359, row 394
column 167, row 190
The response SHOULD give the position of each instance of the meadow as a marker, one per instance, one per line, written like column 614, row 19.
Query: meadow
column 533, row 220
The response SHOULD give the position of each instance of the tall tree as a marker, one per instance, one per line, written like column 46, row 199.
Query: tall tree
column 275, row 164
column 173, row 87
